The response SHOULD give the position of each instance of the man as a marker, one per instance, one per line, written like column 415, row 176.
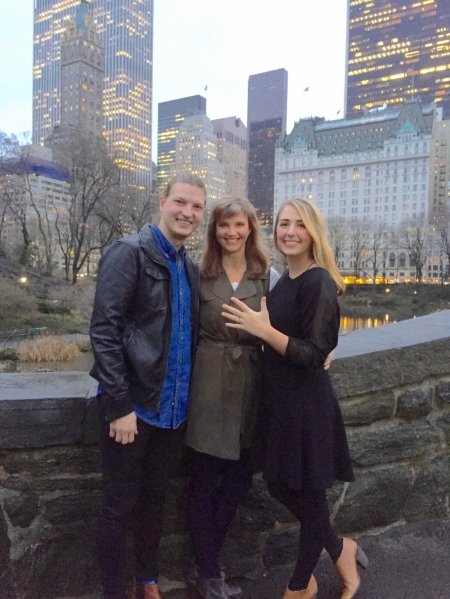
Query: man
column 143, row 332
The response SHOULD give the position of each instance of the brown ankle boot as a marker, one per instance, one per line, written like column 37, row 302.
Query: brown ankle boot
column 346, row 566
column 309, row 593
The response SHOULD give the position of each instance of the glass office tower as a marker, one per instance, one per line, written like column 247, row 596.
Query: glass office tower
column 266, row 123
column 398, row 50
column 171, row 115
column 126, row 28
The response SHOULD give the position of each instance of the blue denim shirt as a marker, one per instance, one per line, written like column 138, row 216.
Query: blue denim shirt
column 175, row 391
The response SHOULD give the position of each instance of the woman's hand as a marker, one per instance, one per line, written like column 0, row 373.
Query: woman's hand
column 246, row 319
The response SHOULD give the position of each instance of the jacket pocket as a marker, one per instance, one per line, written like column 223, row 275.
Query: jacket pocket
column 157, row 283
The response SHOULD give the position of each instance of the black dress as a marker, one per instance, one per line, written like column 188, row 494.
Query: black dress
column 300, row 414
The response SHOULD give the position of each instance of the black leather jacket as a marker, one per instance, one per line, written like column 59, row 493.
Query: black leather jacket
column 131, row 324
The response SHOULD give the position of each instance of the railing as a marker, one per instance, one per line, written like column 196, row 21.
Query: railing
column 18, row 335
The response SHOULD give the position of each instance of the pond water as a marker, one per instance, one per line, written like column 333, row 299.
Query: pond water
column 350, row 321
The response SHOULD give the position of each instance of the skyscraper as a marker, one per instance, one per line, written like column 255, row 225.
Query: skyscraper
column 126, row 28
column 398, row 50
column 266, row 122
column 232, row 153
column 82, row 73
column 196, row 152
column 171, row 114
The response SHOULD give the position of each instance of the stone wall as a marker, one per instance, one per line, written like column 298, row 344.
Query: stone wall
column 394, row 390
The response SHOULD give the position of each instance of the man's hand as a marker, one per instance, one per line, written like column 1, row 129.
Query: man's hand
column 124, row 429
column 328, row 360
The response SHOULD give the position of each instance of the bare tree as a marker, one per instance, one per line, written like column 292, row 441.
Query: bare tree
column 376, row 247
column 91, row 221
column 338, row 236
column 139, row 208
column 359, row 237
column 444, row 239
column 414, row 239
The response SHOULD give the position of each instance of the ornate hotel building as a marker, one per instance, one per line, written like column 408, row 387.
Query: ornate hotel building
column 398, row 50
column 126, row 30
column 377, row 167
column 388, row 167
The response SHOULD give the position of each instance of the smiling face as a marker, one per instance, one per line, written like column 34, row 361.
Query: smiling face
column 181, row 212
column 232, row 233
column 293, row 240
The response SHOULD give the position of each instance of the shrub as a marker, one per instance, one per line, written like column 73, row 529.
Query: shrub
column 14, row 300
column 48, row 349
column 79, row 297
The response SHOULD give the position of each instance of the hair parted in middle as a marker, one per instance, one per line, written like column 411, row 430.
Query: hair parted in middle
column 256, row 252
column 315, row 225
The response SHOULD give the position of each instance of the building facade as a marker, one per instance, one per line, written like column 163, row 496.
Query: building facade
column 126, row 29
column 82, row 74
column 232, row 153
column 369, row 176
column 171, row 115
column 196, row 152
column 266, row 123
column 440, row 171
column 398, row 50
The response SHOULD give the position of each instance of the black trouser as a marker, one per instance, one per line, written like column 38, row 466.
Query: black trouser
column 135, row 480
column 216, row 488
column 310, row 507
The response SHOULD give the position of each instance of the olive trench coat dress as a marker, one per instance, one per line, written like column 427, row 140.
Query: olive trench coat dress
column 225, row 383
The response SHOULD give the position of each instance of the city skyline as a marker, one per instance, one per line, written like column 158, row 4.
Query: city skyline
column 398, row 50
column 126, row 31
column 197, row 61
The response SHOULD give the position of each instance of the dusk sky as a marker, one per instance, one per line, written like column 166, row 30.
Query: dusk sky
column 208, row 43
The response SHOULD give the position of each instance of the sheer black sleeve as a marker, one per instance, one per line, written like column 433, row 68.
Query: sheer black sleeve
column 319, row 321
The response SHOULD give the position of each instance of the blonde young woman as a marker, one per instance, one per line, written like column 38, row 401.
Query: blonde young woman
column 225, row 386
column 306, row 443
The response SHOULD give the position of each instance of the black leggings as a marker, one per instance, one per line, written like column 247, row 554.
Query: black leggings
column 216, row 488
column 310, row 507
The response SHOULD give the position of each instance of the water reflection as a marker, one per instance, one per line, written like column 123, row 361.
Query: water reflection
column 351, row 323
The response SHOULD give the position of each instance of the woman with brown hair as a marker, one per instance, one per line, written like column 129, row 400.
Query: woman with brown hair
column 306, row 443
column 225, row 386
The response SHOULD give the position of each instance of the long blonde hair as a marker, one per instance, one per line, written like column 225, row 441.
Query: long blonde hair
column 255, row 250
column 315, row 225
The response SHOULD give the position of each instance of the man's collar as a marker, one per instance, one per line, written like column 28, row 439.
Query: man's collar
column 166, row 247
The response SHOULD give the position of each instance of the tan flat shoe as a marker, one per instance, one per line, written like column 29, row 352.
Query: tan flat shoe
column 308, row 593
column 346, row 565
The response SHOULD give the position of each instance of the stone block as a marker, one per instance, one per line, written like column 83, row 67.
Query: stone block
column 443, row 391
column 175, row 555
column 241, row 553
column 77, row 507
column 431, row 490
column 22, row 509
column 51, row 460
column 5, row 543
column 281, row 548
column 414, row 403
column 41, row 423
column 443, row 422
column 90, row 423
column 376, row 498
column 47, row 571
column 260, row 511
column 47, row 484
column 366, row 373
column 388, row 442
column 369, row 408
column 424, row 360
